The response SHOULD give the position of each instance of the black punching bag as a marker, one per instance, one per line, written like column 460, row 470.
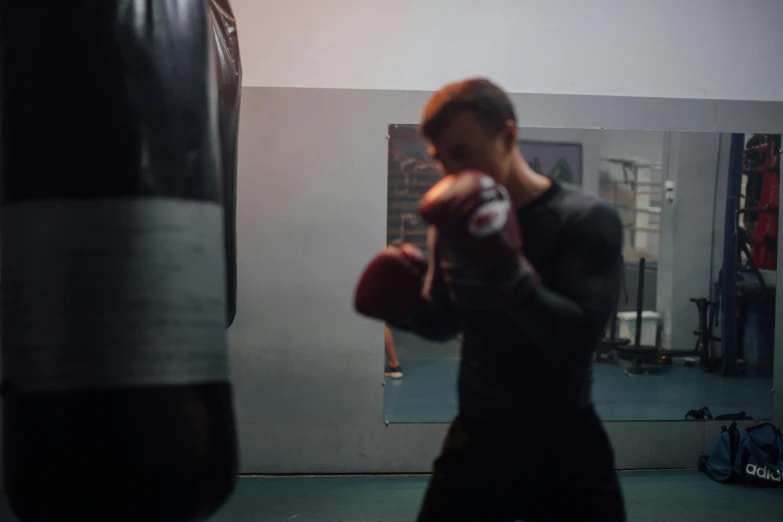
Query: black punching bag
column 229, row 79
column 116, row 400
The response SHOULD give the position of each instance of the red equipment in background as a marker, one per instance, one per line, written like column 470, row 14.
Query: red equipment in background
column 762, row 166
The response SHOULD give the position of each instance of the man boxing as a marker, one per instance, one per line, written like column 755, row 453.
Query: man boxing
column 526, row 269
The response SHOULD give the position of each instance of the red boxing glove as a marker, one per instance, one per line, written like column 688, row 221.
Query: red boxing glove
column 481, row 257
column 391, row 284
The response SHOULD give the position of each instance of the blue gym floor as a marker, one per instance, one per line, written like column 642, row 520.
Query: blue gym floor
column 650, row 496
column 427, row 392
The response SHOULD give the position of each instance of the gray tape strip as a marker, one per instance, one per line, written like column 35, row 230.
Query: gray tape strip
column 112, row 293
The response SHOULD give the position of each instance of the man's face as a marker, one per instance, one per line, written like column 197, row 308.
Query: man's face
column 466, row 145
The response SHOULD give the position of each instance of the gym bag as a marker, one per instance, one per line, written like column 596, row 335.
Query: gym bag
column 751, row 456
column 705, row 414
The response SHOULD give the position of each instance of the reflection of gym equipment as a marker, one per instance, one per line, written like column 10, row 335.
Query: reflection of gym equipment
column 747, row 289
column 635, row 358
column 760, row 162
column 631, row 209
column 639, row 359
column 704, row 338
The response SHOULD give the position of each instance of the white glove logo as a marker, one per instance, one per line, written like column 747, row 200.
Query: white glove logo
column 489, row 218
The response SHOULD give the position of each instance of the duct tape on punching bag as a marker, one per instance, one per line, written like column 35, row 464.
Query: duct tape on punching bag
column 117, row 403
column 229, row 81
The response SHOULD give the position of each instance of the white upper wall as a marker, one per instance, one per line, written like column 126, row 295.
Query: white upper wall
column 715, row 49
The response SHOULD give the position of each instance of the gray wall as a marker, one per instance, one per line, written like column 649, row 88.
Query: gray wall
column 311, row 212
column 640, row 144
column 691, row 230
column 693, row 217
column 312, row 190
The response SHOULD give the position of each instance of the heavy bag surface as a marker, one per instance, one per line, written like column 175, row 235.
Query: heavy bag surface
column 116, row 398
column 229, row 81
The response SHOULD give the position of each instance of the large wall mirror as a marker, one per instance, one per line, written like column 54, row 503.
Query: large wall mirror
column 692, row 337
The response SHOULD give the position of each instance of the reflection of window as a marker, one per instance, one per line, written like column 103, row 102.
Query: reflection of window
column 634, row 187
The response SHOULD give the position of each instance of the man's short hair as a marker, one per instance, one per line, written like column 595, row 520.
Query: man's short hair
column 489, row 104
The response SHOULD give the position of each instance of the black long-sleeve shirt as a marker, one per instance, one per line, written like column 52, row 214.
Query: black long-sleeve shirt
column 534, row 358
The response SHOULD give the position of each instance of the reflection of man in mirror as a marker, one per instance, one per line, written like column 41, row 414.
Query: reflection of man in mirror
column 531, row 314
column 393, row 369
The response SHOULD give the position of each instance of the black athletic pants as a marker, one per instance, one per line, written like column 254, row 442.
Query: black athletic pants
column 555, row 470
